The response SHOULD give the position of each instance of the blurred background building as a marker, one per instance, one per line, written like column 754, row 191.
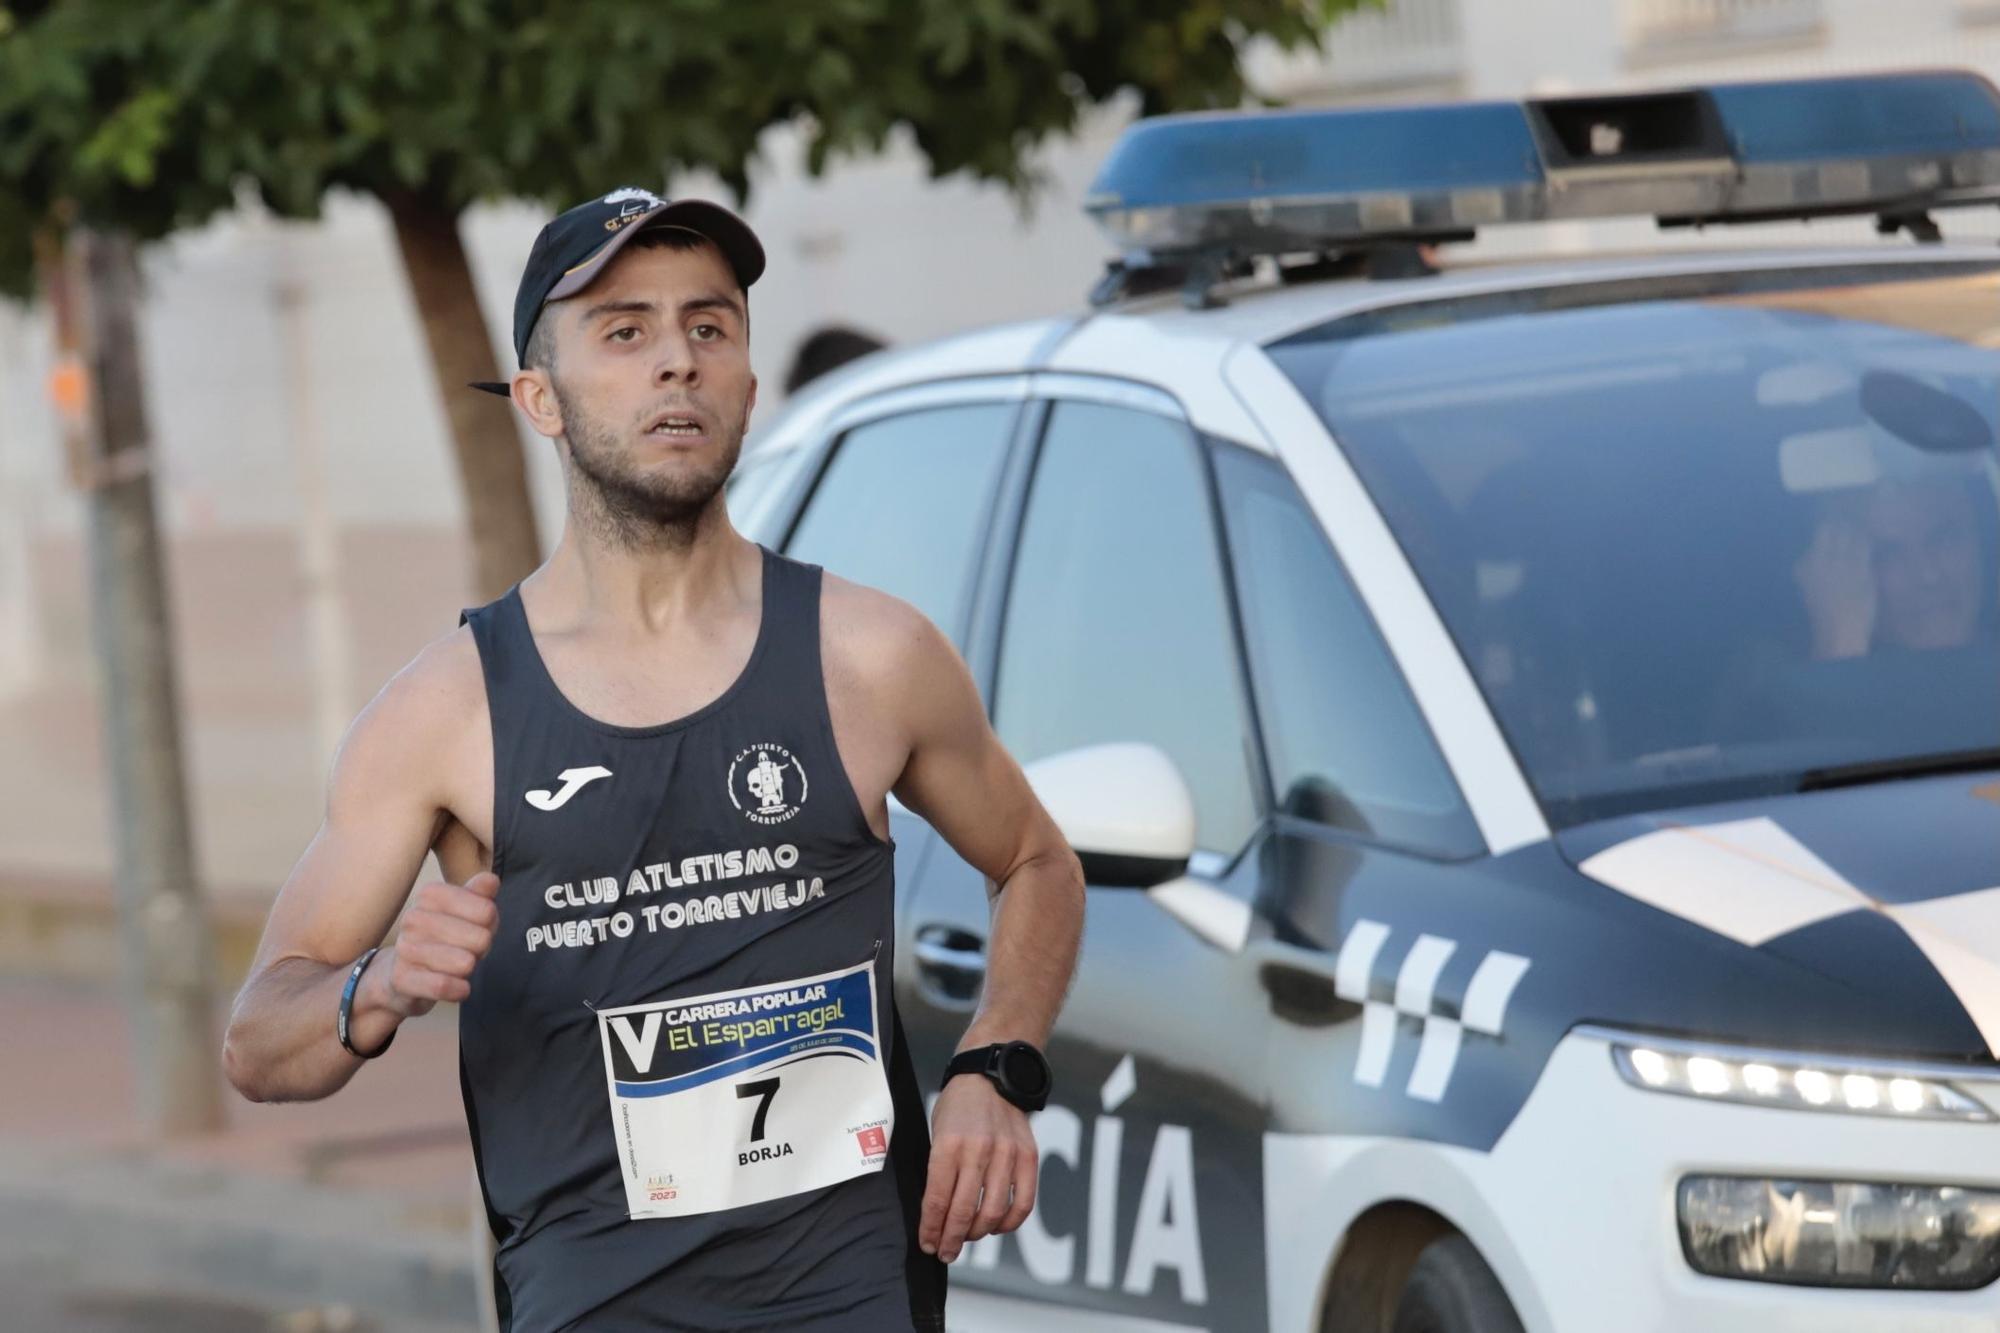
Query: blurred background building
column 306, row 485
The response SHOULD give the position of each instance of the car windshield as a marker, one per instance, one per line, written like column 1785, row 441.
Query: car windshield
column 1697, row 538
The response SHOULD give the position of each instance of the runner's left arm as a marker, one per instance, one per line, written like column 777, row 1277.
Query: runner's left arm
column 961, row 780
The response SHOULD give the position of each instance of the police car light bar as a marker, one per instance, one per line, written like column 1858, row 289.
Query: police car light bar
column 1203, row 194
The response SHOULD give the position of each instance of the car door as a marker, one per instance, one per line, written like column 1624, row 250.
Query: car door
column 1367, row 844
column 1107, row 616
column 902, row 502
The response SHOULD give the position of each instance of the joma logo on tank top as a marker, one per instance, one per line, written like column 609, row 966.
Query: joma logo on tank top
column 573, row 781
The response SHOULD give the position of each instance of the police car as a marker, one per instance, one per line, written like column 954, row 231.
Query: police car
column 1532, row 731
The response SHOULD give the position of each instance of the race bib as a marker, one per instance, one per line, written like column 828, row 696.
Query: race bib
column 747, row 1095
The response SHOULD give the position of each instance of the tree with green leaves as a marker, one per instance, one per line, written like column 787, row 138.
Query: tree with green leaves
column 150, row 116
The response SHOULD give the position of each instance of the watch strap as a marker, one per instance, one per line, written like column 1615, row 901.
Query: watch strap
column 987, row 1060
column 978, row 1060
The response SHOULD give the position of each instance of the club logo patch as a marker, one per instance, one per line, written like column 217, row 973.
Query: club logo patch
column 635, row 201
column 767, row 783
column 645, row 198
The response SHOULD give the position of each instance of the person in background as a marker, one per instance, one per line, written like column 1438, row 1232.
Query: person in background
column 1898, row 569
column 827, row 348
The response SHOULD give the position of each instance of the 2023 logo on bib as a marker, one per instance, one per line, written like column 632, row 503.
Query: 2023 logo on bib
column 767, row 783
column 739, row 1097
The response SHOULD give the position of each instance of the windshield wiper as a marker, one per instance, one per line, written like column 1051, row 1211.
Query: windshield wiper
column 1913, row 766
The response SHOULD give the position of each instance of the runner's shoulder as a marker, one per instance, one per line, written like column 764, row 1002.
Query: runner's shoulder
column 420, row 723
column 872, row 636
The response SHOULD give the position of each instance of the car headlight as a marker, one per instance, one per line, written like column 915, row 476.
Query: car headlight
column 1794, row 1082
column 1841, row 1233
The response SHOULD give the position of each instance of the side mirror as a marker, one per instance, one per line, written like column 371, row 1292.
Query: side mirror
column 1124, row 808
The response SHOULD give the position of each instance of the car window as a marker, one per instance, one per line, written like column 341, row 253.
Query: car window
column 1343, row 736
column 755, row 484
column 1697, row 545
column 902, row 506
column 1118, row 624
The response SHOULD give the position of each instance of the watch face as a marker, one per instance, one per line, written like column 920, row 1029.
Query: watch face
column 1025, row 1070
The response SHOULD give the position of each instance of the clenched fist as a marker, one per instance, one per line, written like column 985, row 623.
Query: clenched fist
column 447, row 930
column 984, row 1168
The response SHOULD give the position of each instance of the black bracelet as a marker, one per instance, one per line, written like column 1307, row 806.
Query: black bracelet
column 347, row 1007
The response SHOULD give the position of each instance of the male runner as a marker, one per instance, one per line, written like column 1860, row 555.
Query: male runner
column 655, row 775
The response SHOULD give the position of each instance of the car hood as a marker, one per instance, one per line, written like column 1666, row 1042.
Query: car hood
column 1892, row 888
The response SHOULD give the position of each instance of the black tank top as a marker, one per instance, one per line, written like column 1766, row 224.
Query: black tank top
column 689, row 1099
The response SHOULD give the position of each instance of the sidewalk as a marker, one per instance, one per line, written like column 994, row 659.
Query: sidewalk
column 362, row 1201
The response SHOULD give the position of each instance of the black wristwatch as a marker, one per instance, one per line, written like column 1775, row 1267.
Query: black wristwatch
column 1019, row 1070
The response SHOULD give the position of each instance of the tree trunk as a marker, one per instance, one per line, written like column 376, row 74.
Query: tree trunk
column 168, row 956
column 491, row 469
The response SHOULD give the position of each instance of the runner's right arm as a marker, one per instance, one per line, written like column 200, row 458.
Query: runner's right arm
column 387, row 803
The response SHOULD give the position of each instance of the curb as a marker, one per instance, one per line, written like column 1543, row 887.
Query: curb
column 130, row 1219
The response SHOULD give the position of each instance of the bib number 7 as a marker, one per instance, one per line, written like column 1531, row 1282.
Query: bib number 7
column 693, row 1083
column 766, row 1089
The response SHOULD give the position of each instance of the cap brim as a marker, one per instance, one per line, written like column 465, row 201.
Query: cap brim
column 731, row 234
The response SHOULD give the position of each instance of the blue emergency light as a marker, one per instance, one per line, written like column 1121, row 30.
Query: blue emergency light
column 1198, row 197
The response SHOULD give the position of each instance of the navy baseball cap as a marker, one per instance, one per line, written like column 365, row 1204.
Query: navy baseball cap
column 574, row 248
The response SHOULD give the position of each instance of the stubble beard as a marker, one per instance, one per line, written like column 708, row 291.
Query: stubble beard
column 632, row 509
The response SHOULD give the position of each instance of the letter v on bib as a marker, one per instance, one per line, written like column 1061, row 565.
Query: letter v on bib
column 573, row 780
